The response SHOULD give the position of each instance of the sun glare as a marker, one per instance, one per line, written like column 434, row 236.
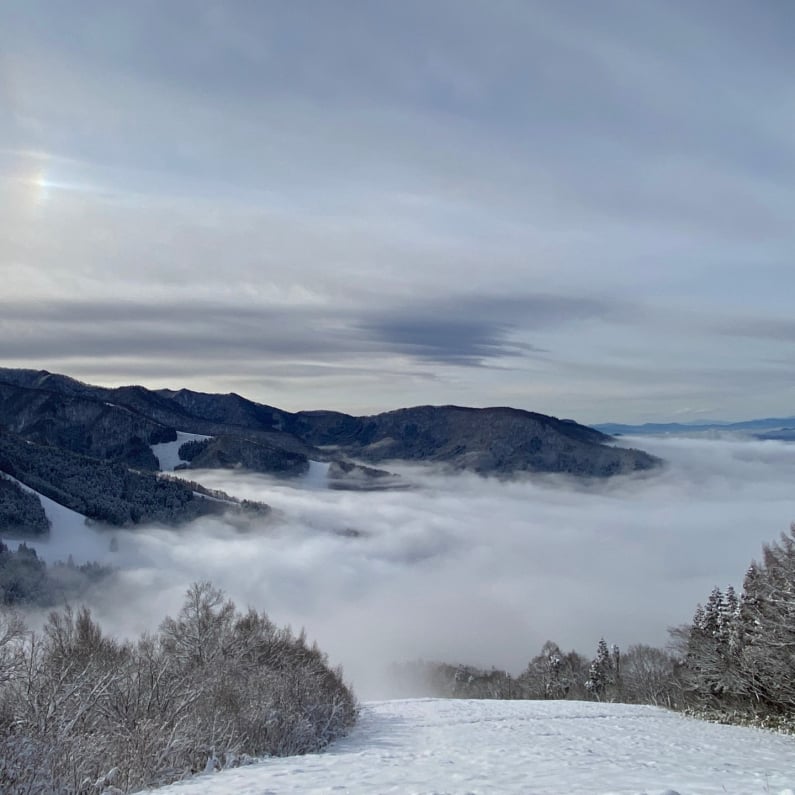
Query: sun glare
column 39, row 187
column 38, row 178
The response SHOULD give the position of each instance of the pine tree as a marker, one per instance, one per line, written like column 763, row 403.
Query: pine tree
column 601, row 674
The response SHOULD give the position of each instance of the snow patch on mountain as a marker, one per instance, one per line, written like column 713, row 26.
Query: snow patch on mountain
column 317, row 475
column 70, row 534
column 167, row 453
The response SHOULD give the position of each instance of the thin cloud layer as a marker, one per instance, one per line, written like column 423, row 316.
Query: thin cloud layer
column 463, row 330
column 469, row 569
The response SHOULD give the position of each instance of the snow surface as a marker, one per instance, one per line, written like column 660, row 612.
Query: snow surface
column 167, row 453
column 435, row 746
column 70, row 534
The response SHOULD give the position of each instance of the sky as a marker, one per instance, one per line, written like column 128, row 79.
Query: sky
column 582, row 209
column 462, row 569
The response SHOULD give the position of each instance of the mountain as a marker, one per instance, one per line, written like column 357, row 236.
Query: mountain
column 81, row 424
column 95, row 449
column 487, row 441
column 766, row 428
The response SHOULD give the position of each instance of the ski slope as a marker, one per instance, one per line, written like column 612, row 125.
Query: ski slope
column 437, row 746
column 70, row 534
column 167, row 453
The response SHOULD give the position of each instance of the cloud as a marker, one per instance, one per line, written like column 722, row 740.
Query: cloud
column 299, row 156
column 777, row 329
column 464, row 331
column 459, row 341
column 471, row 330
column 169, row 330
column 473, row 570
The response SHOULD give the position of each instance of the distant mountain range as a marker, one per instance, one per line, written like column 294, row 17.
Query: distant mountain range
column 52, row 426
column 782, row 428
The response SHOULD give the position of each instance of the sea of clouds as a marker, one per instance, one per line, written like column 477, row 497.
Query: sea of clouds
column 462, row 568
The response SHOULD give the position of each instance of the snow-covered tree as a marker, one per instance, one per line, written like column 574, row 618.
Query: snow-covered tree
column 82, row 712
column 739, row 651
column 602, row 673
column 648, row 676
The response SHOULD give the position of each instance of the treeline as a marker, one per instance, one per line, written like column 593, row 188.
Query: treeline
column 21, row 513
column 735, row 661
column 81, row 712
column 109, row 492
column 642, row 675
column 25, row 579
column 738, row 653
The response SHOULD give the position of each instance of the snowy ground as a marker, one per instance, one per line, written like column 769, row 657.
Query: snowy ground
column 435, row 746
column 167, row 453
column 69, row 534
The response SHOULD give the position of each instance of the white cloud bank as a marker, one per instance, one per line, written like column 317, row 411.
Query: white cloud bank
column 473, row 570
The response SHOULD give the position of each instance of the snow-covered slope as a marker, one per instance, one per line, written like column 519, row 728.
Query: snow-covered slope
column 435, row 746
column 317, row 475
column 167, row 453
column 70, row 534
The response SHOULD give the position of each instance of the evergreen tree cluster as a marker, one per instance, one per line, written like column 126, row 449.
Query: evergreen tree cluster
column 81, row 712
column 739, row 651
column 21, row 512
column 604, row 672
column 190, row 449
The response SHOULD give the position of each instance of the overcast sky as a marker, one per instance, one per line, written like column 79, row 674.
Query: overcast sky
column 579, row 208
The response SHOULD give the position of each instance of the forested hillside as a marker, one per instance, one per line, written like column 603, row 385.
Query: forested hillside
column 107, row 492
column 21, row 513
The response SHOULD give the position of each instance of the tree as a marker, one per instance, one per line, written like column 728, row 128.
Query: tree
column 81, row 711
column 739, row 651
column 202, row 627
column 602, row 674
column 648, row 676
column 552, row 674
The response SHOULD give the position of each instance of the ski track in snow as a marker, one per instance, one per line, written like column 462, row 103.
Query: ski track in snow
column 446, row 747
column 167, row 453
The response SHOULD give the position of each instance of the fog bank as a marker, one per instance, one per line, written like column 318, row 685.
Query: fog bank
column 468, row 569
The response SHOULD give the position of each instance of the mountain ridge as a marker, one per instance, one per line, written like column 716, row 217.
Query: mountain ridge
column 494, row 440
column 766, row 427
column 117, row 427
